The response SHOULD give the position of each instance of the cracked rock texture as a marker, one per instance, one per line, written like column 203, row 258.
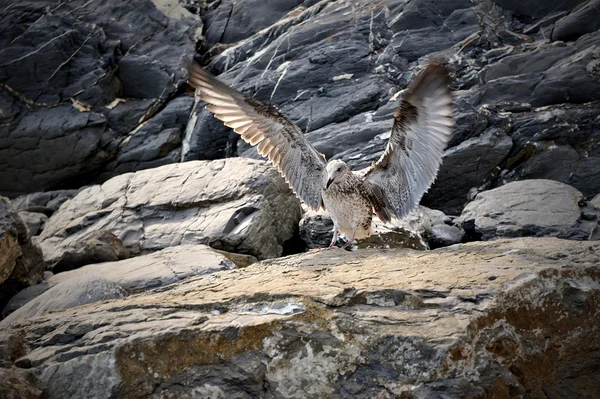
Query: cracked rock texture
column 527, row 80
column 235, row 205
column 458, row 322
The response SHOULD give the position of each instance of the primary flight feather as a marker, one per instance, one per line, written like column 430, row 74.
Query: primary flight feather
column 392, row 186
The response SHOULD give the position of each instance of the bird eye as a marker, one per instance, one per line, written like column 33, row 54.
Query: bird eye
column 339, row 169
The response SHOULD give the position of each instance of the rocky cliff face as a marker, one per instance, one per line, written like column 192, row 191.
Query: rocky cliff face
column 161, row 279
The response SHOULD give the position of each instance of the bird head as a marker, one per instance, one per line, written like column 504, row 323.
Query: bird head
column 335, row 170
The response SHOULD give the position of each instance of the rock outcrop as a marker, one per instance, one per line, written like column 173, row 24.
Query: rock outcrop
column 87, row 77
column 463, row 321
column 235, row 205
column 21, row 262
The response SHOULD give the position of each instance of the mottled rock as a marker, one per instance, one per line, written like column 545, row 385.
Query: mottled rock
column 455, row 322
column 14, row 385
column 235, row 205
column 527, row 208
column 100, row 246
column 21, row 262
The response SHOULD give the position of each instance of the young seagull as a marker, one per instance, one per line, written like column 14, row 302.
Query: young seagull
column 392, row 186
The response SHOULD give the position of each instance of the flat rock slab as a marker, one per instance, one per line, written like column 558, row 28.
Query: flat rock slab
column 139, row 274
column 235, row 205
column 527, row 208
column 463, row 321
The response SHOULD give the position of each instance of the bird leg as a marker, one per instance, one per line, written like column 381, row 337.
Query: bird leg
column 350, row 241
column 334, row 239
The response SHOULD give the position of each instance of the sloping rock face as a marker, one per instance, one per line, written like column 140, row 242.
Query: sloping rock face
column 21, row 262
column 87, row 76
column 462, row 322
column 236, row 205
column 527, row 79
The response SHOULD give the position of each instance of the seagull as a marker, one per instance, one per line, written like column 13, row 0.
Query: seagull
column 390, row 187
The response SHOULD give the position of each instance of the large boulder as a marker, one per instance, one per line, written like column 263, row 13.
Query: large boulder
column 21, row 262
column 529, row 208
column 236, row 205
column 511, row 318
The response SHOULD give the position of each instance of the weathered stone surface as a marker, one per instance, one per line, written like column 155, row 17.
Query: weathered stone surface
column 14, row 385
column 463, row 321
column 21, row 262
column 100, row 246
column 142, row 273
column 236, row 205
column 77, row 79
column 67, row 294
column 528, row 208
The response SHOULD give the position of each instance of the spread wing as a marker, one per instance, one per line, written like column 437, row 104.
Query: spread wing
column 281, row 141
column 422, row 128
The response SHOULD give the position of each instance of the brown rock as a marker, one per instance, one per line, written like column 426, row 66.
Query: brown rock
column 510, row 318
column 21, row 263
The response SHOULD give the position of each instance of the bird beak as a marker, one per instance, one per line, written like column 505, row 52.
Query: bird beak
column 328, row 183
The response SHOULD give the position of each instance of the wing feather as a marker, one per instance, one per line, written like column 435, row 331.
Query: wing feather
column 422, row 128
column 280, row 140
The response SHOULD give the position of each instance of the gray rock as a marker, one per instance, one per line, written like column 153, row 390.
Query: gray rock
column 46, row 202
column 527, row 208
column 469, row 165
column 443, row 235
column 158, row 269
column 235, row 205
column 459, row 322
column 24, row 296
column 538, row 9
column 63, row 74
column 142, row 273
column 548, row 74
column 34, row 221
column 21, row 262
column 100, row 246
column 554, row 143
column 65, row 295
column 584, row 19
